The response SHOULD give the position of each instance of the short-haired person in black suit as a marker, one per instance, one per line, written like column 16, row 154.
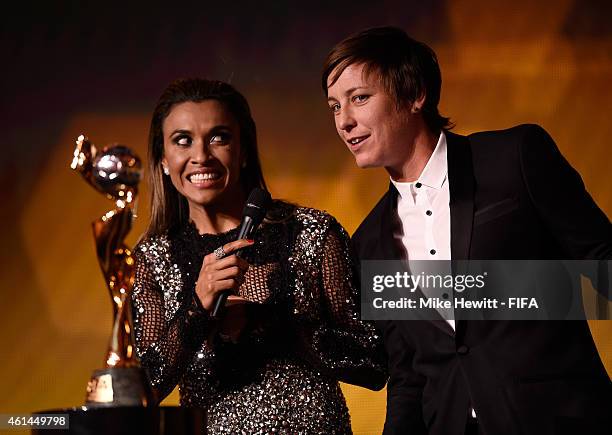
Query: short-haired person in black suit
column 495, row 195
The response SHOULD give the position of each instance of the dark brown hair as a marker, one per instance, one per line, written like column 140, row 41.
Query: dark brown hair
column 406, row 68
column 168, row 207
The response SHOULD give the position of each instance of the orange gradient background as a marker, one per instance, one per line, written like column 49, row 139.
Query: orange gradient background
column 539, row 62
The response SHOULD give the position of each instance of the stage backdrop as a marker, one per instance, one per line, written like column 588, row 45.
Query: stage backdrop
column 83, row 69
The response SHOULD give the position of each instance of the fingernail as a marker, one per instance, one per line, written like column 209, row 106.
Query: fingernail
column 250, row 240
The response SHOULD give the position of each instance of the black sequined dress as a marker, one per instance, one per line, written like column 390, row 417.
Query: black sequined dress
column 303, row 332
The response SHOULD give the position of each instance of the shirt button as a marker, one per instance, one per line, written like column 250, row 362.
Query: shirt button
column 445, row 295
column 418, row 185
column 428, row 212
column 463, row 349
column 432, row 252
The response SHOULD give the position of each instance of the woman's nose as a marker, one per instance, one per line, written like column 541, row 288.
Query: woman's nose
column 346, row 121
column 201, row 152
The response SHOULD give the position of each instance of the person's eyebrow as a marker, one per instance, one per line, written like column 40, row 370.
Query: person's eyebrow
column 181, row 131
column 216, row 128
column 348, row 92
column 221, row 127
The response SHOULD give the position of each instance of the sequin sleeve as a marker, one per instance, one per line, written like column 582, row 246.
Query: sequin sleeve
column 343, row 344
column 164, row 338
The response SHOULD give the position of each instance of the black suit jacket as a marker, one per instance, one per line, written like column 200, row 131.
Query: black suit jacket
column 512, row 196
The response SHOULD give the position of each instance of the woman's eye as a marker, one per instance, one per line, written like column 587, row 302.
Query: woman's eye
column 220, row 138
column 182, row 140
column 360, row 98
column 334, row 107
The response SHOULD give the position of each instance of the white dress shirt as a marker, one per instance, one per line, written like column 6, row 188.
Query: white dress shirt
column 424, row 210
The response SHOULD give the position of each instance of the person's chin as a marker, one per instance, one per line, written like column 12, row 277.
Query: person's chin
column 205, row 199
column 364, row 163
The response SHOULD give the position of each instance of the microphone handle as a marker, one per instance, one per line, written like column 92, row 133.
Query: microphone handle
column 246, row 230
column 220, row 304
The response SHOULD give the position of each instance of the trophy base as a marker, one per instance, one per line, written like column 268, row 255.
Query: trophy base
column 119, row 386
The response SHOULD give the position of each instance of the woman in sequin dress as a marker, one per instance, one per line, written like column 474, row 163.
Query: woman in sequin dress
column 273, row 363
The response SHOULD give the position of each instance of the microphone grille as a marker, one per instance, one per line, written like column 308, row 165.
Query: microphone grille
column 257, row 204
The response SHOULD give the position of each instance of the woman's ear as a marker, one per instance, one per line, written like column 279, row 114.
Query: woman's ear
column 164, row 163
column 417, row 105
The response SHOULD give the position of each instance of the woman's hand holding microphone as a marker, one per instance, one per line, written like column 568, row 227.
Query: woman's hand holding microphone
column 221, row 273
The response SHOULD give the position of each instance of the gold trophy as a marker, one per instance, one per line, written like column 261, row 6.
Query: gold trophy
column 115, row 171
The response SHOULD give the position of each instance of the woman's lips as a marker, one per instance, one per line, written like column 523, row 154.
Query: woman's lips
column 356, row 142
column 204, row 179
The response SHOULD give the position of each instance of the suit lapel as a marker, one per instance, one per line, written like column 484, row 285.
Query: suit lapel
column 387, row 243
column 461, row 183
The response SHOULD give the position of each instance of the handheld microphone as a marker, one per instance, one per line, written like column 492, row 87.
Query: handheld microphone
column 254, row 211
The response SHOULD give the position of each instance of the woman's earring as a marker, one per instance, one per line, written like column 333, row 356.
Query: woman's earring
column 166, row 170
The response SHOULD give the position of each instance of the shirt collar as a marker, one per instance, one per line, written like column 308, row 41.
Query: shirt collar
column 435, row 172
